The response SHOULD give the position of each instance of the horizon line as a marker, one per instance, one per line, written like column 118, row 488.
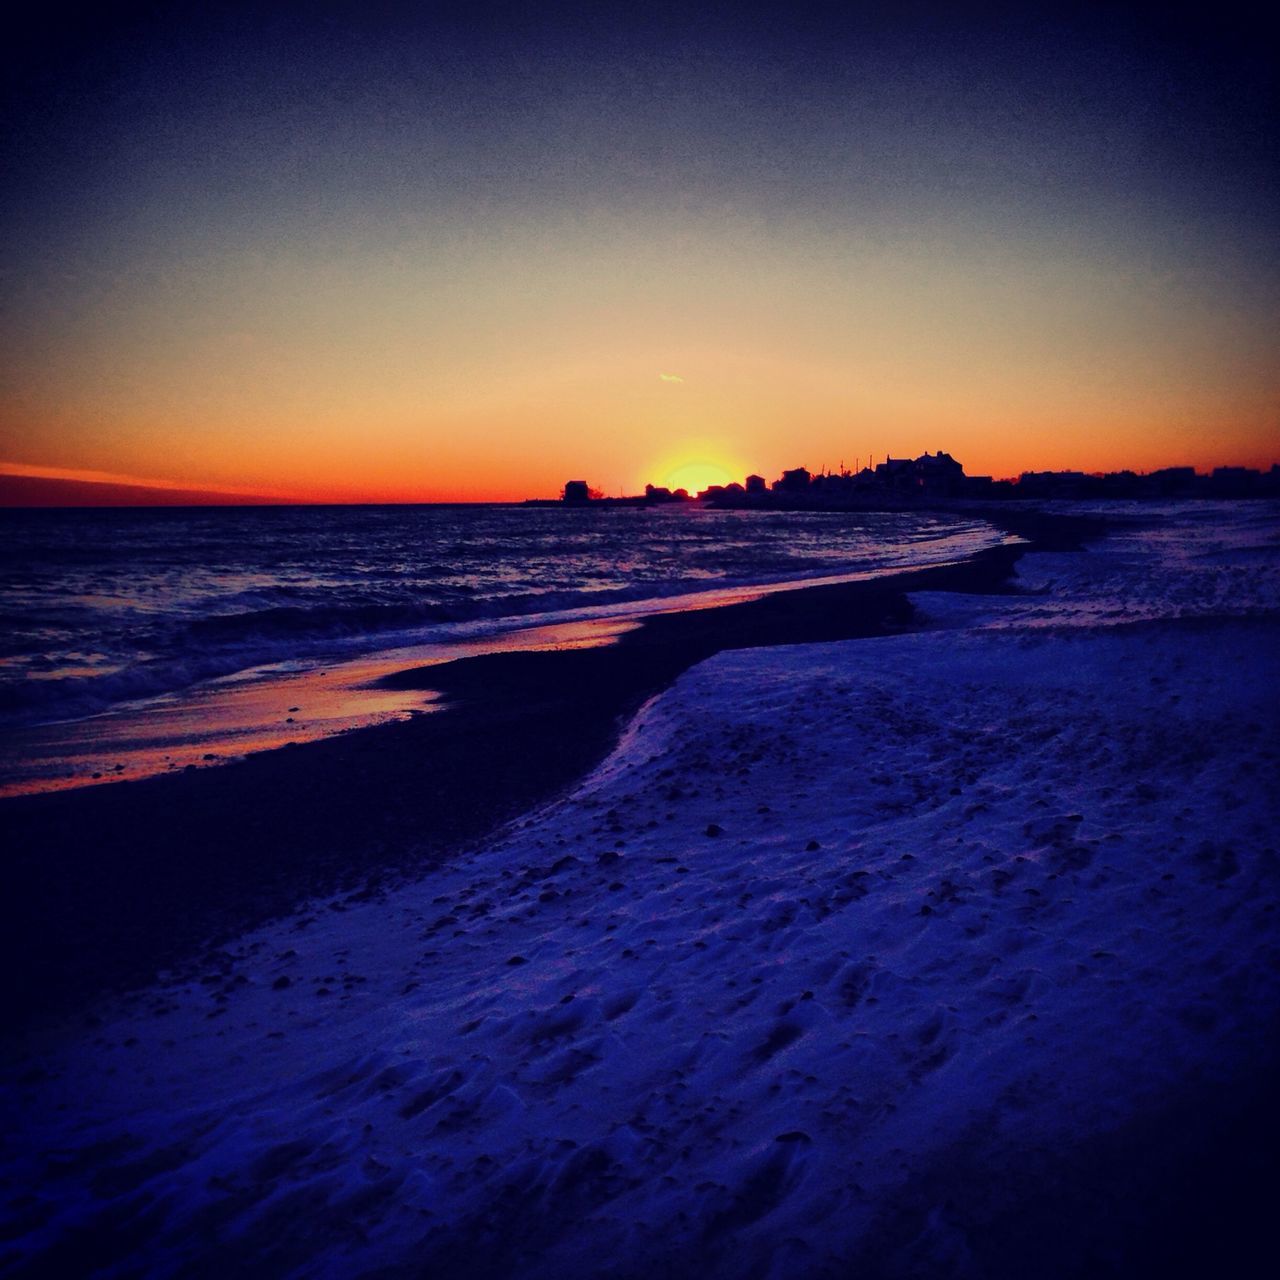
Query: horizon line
column 94, row 486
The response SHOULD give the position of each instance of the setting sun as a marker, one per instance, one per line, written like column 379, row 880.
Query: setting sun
column 694, row 471
column 696, row 476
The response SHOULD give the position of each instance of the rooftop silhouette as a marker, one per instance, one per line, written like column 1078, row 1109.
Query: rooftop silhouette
column 934, row 477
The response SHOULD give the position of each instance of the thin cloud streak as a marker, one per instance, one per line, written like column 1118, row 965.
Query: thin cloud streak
column 36, row 472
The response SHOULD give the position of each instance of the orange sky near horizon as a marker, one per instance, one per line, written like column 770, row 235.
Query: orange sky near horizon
column 754, row 357
column 349, row 271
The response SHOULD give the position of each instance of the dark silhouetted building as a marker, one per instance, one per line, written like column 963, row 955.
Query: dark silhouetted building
column 938, row 475
column 1173, row 480
column 897, row 475
column 794, row 481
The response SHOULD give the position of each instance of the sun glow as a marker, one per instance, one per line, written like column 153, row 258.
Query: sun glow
column 696, row 476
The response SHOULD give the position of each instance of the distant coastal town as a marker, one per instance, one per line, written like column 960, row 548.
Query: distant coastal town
column 936, row 477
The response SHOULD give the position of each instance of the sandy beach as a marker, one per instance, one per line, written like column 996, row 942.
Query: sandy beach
column 924, row 927
column 260, row 836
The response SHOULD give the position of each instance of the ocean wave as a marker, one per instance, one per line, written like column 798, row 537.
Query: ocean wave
column 322, row 586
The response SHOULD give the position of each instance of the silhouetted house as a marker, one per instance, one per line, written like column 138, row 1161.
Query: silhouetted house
column 794, row 481
column 1120, row 484
column 938, row 475
column 724, row 495
column 1169, row 481
column 897, row 475
column 576, row 492
column 756, row 484
column 932, row 475
column 1234, row 482
column 658, row 493
column 655, row 493
column 833, row 485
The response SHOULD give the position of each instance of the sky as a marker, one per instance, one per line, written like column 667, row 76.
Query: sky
column 427, row 253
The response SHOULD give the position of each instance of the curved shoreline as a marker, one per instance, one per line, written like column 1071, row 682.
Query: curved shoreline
column 169, row 709
column 108, row 885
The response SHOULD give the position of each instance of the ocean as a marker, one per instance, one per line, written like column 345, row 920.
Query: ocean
column 129, row 630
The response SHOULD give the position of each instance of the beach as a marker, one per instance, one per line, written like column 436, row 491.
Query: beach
column 259, row 835
column 924, row 926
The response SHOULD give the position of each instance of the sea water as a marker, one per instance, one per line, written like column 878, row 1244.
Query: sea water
column 126, row 631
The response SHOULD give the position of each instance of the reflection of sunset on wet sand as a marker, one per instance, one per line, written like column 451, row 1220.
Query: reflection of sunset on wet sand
column 229, row 718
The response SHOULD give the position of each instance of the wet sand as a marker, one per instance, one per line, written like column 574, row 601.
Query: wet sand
column 106, row 886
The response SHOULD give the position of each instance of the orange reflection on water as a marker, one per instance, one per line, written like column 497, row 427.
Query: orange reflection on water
column 257, row 710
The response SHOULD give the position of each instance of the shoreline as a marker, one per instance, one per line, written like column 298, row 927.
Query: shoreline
column 178, row 864
column 256, row 679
